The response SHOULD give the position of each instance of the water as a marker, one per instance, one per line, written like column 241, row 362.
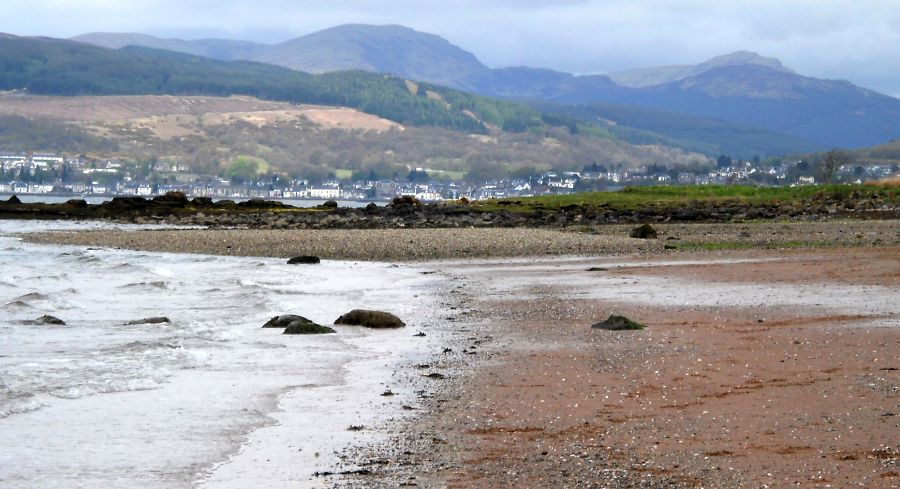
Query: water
column 210, row 399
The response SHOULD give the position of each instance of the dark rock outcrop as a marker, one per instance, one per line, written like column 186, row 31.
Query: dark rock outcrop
column 13, row 200
column 47, row 319
column 172, row 199
column 77, row 203
column 618, row 323
column 151, row 320
column 644, row 231
column 294, row 324
column 330, row 204
column 370, row 319
column 304, row 260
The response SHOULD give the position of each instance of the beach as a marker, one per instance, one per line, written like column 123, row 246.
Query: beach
column 769, row 357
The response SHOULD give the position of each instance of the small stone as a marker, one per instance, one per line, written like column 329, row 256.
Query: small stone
column 618, row 323
column 304, row 260
column 644, row 231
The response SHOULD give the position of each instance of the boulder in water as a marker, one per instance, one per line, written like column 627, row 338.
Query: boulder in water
column 618, row 323
column 370, row 319
column 294, row 324
column 47, row 319
column 13, row 200
column 153, row 320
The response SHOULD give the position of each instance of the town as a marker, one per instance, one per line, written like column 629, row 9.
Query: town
column 63, row 175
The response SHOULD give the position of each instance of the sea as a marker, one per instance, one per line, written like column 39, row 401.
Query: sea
column 210, row 399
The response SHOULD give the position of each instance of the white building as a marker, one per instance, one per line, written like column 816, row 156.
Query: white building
column 323, row 192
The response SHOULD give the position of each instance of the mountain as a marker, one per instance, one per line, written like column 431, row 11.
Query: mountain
column 641, row 125
column 392, row 49
column 223, row 49
column 827, row 112
column 649, row 77
column 59, row 67
column 743, row 88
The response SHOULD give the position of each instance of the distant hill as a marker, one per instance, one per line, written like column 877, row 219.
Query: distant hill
column 826, row 112
column 390, row 49
column 641, row 125
column 650, row 77
column 58, row 67
column 742, row 88
column 223, row 49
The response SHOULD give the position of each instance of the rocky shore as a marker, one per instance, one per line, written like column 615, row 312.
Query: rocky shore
column 407, row 212
column 437, row 244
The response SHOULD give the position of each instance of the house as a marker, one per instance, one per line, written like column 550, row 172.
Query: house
column 323, row 192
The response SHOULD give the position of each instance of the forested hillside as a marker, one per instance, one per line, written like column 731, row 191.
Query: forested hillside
column 57, row 67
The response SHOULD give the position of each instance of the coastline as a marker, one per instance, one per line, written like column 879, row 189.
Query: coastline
column 271, row 394
column 457, row 243
column 532, row 397
column 756, row 369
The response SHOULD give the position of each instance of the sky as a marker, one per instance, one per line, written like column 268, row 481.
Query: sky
column 855, row 40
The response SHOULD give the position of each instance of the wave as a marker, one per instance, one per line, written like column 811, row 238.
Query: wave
column 155, row 285
column 24, row 404
column 94, row 388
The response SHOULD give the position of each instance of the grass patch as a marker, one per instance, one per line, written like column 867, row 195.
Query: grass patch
column 677, row 196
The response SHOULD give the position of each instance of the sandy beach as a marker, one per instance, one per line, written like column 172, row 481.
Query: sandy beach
column 758, row 367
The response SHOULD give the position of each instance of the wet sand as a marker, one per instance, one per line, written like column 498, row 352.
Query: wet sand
column 757, row 369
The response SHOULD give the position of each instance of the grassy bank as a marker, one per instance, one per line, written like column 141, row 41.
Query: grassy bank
column 671, row 196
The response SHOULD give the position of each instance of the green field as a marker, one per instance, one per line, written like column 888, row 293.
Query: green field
column 671, row 196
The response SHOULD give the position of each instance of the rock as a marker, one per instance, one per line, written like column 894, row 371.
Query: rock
column 617, row 323
column 79, row 203
column 294, row 324
column 644, row 231
column 46, row 319
column 371, row 207
column 330, row 204
column 370, row 319
column 304, row 260
column 299, row 327
column 13, row 200
column 406, row 200
column 597, row 269
column 127, row 203
column 172, row 199
column 153, row 320
column 202, row 202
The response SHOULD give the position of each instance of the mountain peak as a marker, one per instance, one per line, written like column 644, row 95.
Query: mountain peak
column 740, row 58
column 393, row 49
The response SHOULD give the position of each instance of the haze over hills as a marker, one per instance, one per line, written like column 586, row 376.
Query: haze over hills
column 660, row 75
column 741, row 88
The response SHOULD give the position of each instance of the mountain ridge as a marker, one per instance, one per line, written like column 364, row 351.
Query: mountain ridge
column 742, row 87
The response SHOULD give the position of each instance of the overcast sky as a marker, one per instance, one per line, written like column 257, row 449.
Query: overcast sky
column 856, row 40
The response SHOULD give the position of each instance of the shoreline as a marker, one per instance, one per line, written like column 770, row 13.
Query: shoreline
column 533, row 397
column 289, row 403
column 423, row 245
column 720, row 390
